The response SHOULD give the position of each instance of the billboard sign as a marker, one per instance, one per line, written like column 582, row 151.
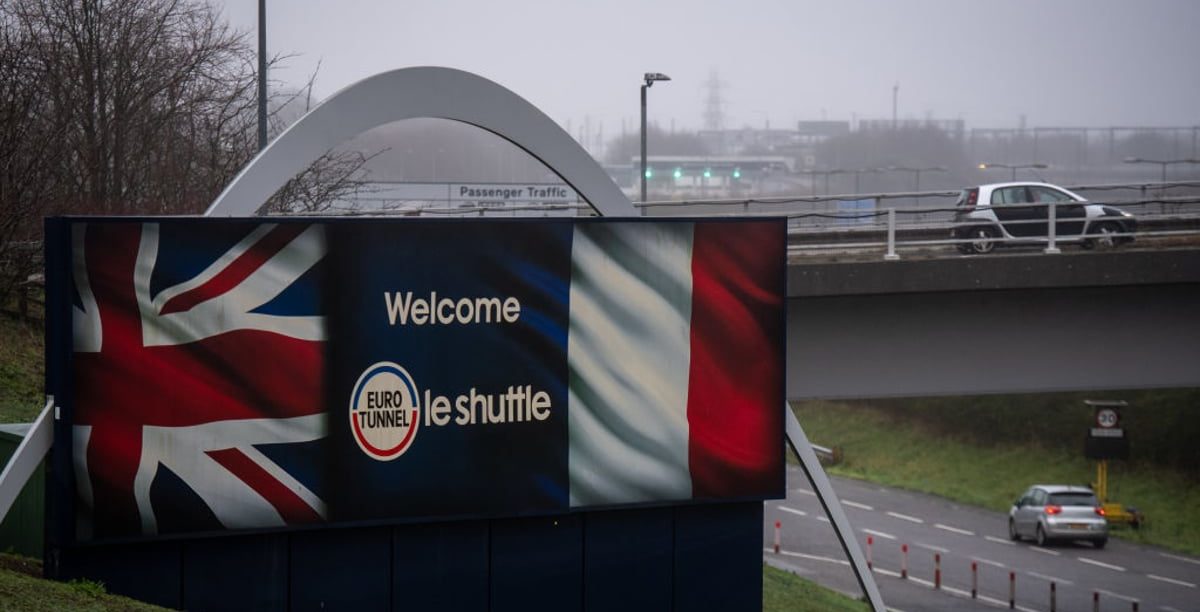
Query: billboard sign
column 242, row 374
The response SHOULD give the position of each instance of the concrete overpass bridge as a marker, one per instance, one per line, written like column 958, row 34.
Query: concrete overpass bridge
column 1005, row 323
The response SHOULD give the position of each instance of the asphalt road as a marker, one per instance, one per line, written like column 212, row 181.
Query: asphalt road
column 1121, row 574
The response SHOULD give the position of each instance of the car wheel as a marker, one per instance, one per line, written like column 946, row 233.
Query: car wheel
column 1100, row 543
column 1105, row 235
column 1012, row 531
column 982, row 241
column 1041, row 536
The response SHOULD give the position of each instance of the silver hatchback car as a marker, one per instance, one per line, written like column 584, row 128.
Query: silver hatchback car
column 1058, row 512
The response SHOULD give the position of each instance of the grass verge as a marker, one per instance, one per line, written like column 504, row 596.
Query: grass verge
column 787, row 592
column 22, row 588
column 899, row 453
column 21, row 369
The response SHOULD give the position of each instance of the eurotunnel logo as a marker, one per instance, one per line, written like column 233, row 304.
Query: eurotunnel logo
column 385, row 411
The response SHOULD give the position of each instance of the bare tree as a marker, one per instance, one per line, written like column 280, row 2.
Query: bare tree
column 133, row 107
column 29, row 157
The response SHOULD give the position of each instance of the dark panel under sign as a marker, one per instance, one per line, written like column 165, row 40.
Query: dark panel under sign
column 537, row 564
column 147, row 572
column 627, row 560
column 1102, row 448
column 246, row 573
column 718, row 557
column 440, row 566
column 341, row 569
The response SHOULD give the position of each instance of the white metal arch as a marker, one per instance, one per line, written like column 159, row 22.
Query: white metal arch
column 411, row 93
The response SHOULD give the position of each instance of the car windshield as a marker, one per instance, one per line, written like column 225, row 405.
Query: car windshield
column 1072, row 499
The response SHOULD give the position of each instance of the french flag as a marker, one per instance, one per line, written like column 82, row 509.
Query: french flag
column 675, row 357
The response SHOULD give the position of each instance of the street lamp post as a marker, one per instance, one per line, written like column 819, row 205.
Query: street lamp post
column 1013, row 167
column 262, row 74
column 650, row 78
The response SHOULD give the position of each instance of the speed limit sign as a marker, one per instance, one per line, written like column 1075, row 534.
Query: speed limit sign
column 1107, row 418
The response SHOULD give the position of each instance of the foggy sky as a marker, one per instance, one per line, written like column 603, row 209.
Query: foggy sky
column 1057, row 62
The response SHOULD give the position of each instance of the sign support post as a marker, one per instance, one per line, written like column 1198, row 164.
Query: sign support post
column 833, row 508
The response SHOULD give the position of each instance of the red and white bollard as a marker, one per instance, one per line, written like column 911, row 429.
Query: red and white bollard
column 777, row 526
column 904, row 561
column 1053, row 598
column 937, row 571
column 974, row 580
column 1095, row 601
column 870, row 543
column 1012, row 590
column 1135, row 606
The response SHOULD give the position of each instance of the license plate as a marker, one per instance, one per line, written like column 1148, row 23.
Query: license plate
column 1078, row 525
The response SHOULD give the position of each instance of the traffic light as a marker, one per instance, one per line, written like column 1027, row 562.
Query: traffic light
column 707, row 173
column 737, row 173
column 649, row 173
column 679, row 173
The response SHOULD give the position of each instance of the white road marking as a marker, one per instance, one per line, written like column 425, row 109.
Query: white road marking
column 1117, row 595
column 793, row 511
column 1171, row 581
column 788, row 553
column 886, row 536
column 954, row 529
column 1115, row 568
column 1053, row 579
column 989, row 562
column 1178, row 558
column 822, row 519
column 993, row 601
column 890, row 573
column 853, row 504
column 920, row 581
column 954, row 591
column 804, row 492
column 1169, row 609
column 1000, row 540
column 1045, row 551
column 932, row 547
column 905, row 517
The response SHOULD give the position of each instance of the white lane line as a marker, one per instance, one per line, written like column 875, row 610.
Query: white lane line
column 822, row 519
column 1169, row 609
column 1115, row 568
column 792, row 511
column 1117, row 595
column 804, row 492
column 954, row 529
column 889, row 573
column 905, row 517
column 920, row 581
column 1000, row 540
column 932, row 547
column 954, row 591
column 788, row 553
column 993, row 601
column 989, row 562
column 1171, row 581
column 853, row 504
column 1045, row 551
column 1178, row 558
column 1054, row 579
column 886, row 536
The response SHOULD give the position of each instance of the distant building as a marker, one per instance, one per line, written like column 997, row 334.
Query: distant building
column 955, row 128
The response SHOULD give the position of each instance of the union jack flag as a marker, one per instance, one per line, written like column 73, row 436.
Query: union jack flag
column 198, row 375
